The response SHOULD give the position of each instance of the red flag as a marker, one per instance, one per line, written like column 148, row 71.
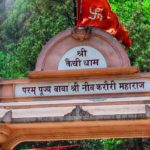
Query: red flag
column 98, row 13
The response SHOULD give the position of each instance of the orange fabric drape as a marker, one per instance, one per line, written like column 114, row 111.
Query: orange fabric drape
column 98, row 13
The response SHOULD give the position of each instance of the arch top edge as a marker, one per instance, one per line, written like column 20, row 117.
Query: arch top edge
column 75, row 37
column 61, row 35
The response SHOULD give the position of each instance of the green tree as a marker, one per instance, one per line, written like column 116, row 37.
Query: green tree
column 112, row 144
column 29, row 24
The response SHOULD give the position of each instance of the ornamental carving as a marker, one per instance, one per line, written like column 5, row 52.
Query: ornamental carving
column 81, row 33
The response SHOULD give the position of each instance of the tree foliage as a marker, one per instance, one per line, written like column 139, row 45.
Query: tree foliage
column 29, row 24
column 83, row 145
column 112, row 144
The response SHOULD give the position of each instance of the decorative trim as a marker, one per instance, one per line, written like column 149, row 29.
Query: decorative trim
column 81, row 33
column 147, row 109
column 75, row 130
column 7, row 118
column 84, row 73
column 77, row 114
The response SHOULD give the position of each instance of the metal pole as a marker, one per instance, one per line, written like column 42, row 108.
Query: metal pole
column 75, row 11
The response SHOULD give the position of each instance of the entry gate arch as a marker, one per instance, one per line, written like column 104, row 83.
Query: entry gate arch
column 111, row 101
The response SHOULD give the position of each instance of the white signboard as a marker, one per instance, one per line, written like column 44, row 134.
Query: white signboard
column 82, row 57
column 83, row 88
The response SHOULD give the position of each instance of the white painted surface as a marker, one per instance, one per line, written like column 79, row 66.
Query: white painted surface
column 82, row 57
column 42, row 112
column 83, row 88
column 41, row 102
column 61, row 111
column 3, row 112
column 114, row 110
column 45, row 108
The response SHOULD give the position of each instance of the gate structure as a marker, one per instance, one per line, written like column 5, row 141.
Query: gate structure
column 83, row 87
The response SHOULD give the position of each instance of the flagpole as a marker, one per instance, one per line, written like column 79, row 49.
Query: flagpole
column 75, row 11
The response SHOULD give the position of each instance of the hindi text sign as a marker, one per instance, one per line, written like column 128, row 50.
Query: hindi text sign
column 82, row 57
column 83, row 88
